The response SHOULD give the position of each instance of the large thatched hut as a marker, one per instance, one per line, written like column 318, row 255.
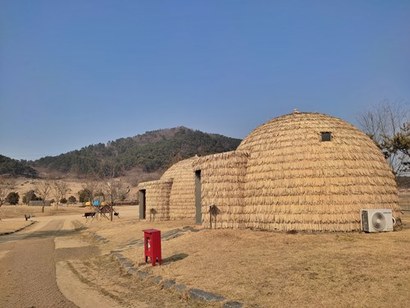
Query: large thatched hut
column 301, row 171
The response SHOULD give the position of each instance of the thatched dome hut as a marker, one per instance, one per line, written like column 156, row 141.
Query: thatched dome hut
column 301, row 171
column 310, row 171
column 173, row 196
column 154, row 199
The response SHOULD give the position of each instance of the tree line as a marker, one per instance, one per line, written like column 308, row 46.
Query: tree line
column 153, row 151
column 14, row 168
column 109, row 191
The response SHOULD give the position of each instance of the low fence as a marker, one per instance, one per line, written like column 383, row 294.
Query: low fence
column 39, row 203
column 119, row 203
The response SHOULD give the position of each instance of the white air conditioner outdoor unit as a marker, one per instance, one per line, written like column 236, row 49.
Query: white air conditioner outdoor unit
column 376, row 220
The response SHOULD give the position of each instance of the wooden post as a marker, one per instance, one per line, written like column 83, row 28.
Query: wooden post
column 210, row 217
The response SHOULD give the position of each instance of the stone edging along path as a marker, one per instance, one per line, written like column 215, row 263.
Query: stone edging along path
column 17, row 230
column 193, row 293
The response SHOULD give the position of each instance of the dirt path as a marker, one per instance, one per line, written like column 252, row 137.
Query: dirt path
column 50, row 264
column 27, row 268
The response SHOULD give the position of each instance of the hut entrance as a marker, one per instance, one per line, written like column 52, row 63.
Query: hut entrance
column 142, row 202
column 198, row 212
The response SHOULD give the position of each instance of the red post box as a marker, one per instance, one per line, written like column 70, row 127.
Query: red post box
column 152, row 246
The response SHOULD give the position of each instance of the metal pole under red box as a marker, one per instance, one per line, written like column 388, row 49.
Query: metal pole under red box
column 152, row 246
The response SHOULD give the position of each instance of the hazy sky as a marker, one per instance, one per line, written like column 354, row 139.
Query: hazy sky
column 78, row 72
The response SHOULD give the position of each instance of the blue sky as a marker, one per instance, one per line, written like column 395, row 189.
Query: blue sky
column 75, row 73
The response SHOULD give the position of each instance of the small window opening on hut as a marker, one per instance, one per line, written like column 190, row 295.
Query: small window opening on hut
column 326, row 136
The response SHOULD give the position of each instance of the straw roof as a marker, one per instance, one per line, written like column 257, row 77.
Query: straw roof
column 182, row 194
column 296, row 181
column 222, row 184
column 157, row 198
column 173, row 196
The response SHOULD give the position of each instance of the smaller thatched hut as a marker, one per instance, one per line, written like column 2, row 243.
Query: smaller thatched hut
column 182, row 194
column 173, row 196
column 154, row 199
column 222, row 180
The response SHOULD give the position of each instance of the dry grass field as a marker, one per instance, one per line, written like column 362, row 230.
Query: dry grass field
column 265, row 269
column 260, row 269
column 13, row 211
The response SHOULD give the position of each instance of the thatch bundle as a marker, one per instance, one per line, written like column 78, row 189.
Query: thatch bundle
column 182, row 195
column 222, row 184
column 296, row 181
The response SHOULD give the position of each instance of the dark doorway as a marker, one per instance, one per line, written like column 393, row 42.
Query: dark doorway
column 142, row 201
column 198, row 211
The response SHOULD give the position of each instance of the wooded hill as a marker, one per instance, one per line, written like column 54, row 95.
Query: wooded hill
column 150, row 152
column 14, row 168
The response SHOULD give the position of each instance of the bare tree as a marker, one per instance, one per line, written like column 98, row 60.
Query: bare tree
column 6, row 185
column 388, row 125
column 43, row 189
column 115, row 190
column 92, row 187
column 60, row 190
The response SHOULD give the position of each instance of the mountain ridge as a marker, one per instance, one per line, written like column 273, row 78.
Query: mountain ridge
column 152, row 151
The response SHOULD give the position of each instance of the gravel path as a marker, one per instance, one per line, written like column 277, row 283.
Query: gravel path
column 29, row 277
column 27, row 270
